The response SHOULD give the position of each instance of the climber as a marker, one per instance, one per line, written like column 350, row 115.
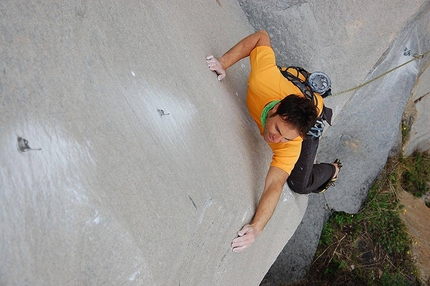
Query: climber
column 284, row 116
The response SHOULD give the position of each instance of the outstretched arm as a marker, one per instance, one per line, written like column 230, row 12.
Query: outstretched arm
column 275, row 181
column 239, row 51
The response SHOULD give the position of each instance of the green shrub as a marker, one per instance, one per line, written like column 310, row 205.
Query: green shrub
column 372, row 247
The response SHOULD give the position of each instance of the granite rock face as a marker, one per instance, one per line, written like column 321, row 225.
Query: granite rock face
column 139, row 167
column 417, row 122
column 125, row 161
column 353, row 44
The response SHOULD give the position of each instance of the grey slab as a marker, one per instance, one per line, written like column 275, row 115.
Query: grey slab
column 293, row 262
column 120, row 194
column 342, row 38
column 419, row 132
column 365, row 129
column 368, row 126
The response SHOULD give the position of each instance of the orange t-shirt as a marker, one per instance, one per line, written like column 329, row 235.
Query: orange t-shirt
column 266, row 84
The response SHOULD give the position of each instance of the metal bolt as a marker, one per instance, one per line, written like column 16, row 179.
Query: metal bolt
column 23, row 145
column 407, row 52
column 161, row 111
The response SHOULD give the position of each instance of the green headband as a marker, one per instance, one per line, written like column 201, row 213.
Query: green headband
column 266, row 110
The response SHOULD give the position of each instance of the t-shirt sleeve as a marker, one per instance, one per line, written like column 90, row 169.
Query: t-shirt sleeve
column 264, row 78
column 262, row 58
column 285, row 155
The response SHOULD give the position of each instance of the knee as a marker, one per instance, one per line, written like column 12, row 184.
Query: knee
column 298, row 187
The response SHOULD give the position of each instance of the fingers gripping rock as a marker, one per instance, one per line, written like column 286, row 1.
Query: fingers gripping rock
column 246, row 238
column 216, row 66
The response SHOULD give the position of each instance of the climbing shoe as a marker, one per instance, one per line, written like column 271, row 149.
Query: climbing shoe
column 332, row 180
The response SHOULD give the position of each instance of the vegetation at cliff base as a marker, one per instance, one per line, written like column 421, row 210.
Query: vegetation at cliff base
column 372, row 247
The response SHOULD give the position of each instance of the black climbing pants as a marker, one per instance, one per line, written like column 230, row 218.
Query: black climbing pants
column 306, row 176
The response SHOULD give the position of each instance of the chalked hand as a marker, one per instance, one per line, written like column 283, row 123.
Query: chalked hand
column 246, row 238
column 216, row 66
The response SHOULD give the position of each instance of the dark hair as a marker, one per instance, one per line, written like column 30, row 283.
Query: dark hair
column 298, row 111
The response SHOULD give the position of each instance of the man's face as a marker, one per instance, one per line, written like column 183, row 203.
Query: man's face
column 277, row 130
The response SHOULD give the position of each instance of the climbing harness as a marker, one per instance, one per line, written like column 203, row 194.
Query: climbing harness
column 308, row 83
column 317, row 129
column 319, row 82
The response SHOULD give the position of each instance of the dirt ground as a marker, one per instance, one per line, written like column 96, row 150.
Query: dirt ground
column 416, row 216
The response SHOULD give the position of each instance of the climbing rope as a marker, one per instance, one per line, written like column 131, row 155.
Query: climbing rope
column 415, row 57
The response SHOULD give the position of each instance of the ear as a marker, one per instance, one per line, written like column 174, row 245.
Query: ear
column 275, row 108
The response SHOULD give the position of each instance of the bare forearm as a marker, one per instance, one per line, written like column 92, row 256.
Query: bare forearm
column 266, row 207
column 249, row 232
column 275, row 181
column 239, row 51
column 244, row 48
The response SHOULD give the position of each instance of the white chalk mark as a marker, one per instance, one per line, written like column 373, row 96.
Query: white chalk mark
column 132, row 73
column 286, row 195
column 206, row 206
column 244, row 216
column 97, row 219
column 133, row 276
